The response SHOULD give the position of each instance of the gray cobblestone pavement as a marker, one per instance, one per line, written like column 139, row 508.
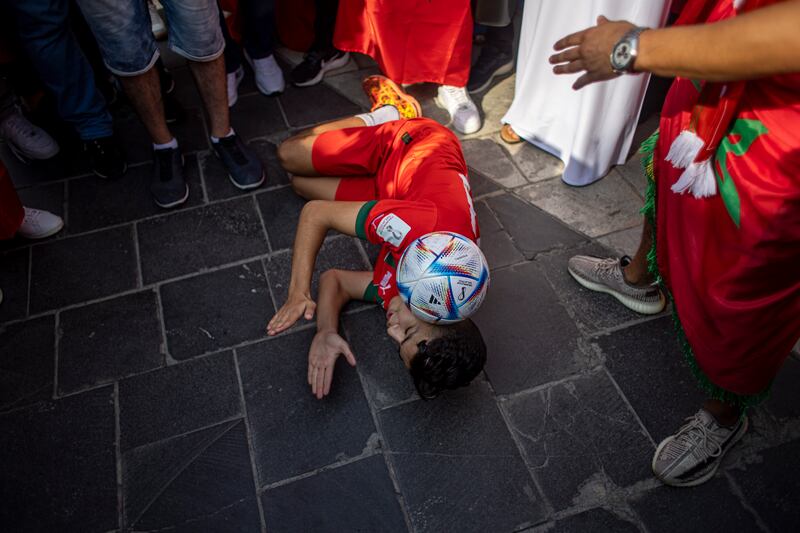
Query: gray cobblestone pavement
column 139, row 393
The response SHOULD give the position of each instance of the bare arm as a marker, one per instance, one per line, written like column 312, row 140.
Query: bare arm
column 317, row 217
column 336, row 288
column 752, row 45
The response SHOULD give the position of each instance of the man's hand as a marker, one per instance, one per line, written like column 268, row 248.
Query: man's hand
column 296, row 305
column 326, row 347
column 590, row 51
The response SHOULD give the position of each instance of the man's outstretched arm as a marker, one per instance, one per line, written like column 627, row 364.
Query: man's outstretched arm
column 317, row 217
column 336, row 288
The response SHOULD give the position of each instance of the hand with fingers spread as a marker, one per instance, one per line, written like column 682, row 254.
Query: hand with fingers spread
column 589, row 51
column 297, row 305
column 326, row 348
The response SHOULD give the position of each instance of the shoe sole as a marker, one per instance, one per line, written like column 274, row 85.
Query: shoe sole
column 401, row 95
column 705, row 477
column 44, row 235
column 99, row 175
column 634, row 305
column 502, row 71
column 175, row 203
column 248, row 187
column 333, row 65
column 27, row 158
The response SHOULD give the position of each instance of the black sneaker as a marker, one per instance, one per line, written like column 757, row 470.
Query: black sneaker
column 491, row 63
column 314, row 66
column 244, row 167
column 106, row 157
column 168, row 185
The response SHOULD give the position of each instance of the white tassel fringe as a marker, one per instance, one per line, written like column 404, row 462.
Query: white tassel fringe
column 698, row 179
column 684, row 149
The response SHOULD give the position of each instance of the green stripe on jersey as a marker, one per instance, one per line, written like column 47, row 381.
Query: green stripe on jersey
column 361, row 219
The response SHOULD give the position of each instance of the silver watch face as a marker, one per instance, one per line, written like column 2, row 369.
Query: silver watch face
column 621, row 56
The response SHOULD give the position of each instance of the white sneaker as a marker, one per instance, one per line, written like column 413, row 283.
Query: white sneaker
column 463, row 111
column 269, row 76
column 157, row 25
column 26, row 140
column 234, row 79
column 38, row 224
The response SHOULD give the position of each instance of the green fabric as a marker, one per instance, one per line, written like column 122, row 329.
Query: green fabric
column 390, row 260
column 649, row 211
column 361, row 219
column 371, row 294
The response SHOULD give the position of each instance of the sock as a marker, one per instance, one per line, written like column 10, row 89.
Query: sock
column 215, row 140
column 172, row 144
column 381, row 115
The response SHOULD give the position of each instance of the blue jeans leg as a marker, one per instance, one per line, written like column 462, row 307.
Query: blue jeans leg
column 44, row 30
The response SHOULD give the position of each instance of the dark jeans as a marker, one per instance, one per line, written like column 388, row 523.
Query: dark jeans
column 44, row 31
column 502, row 39
column 324, row 24
column 258, row 24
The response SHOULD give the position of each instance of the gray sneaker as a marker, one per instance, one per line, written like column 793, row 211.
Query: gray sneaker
column 168, row 184
column 605, row 275
column 26, row 140
column 693, row 455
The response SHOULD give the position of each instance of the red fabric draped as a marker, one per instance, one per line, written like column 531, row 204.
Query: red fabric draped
column 732, row 261
column 412, row 41
column 11, row 211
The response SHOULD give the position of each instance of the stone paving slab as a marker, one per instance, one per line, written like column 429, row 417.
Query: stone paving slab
column 138, row 391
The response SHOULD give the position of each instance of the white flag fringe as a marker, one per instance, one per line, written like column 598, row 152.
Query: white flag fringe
column 698, row 178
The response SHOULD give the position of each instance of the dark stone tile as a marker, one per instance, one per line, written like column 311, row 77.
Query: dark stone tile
column 707, row 507
column 194, row 240
column 216, row 310
column 782, row 402
column 58, row 464
column 577, row 434
column 218, row 184
column 48, row 197
column 310, row 105
column 770, row 484
column 198, row 482
column 39, row 172
column 78, row 269
column 293, row 432
column 106, row 341
column 14, row 284
column 487, row 222
column 385, row 378
column 354, row 497
column 27, row 352
column 530, row 338
column 96, row 203
column 594, row 521
column 372, row 250
column 177, row 399
column 457, row 464
column 281, row 211
column 339, row 252
column 499, row 250
column 593, row 311
column 479, row 184
column 532, row 229
column 256, row 115
column 666, row 392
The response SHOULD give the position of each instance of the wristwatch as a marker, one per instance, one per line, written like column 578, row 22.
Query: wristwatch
column 625, row 51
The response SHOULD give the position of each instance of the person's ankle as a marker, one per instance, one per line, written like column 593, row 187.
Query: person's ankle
column 636, row 277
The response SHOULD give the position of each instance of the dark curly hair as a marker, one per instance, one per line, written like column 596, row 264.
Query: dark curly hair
column 450, row 360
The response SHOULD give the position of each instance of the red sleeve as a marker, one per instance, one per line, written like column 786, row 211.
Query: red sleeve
column 395, row 223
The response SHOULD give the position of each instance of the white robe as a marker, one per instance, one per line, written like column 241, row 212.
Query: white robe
column 591, row 129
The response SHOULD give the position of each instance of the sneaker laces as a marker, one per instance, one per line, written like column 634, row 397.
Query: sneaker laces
column 97, row 145
column 458, row 95
column 313, row 56
column 697, row 435
column 232, row 147
column 606, row 268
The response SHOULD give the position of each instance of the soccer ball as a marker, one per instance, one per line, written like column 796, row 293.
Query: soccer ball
column 443, row 277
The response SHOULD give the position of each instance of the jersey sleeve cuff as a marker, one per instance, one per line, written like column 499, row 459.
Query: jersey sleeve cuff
column 361, row 219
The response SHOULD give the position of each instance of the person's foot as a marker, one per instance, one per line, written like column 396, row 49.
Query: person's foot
column 106, row 157
column 382, row 91
column 605, row 275
column 694, row 453
column 314, row 66
column 463, row 111
column 26, row 140
column 244, row 167
column 233, row 80
column 508, row 135
column 38, row 224
column 491, row 64
column 168, row 185
column 268, row 74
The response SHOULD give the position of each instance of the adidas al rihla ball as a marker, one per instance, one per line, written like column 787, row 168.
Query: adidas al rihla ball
column 443, row 277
